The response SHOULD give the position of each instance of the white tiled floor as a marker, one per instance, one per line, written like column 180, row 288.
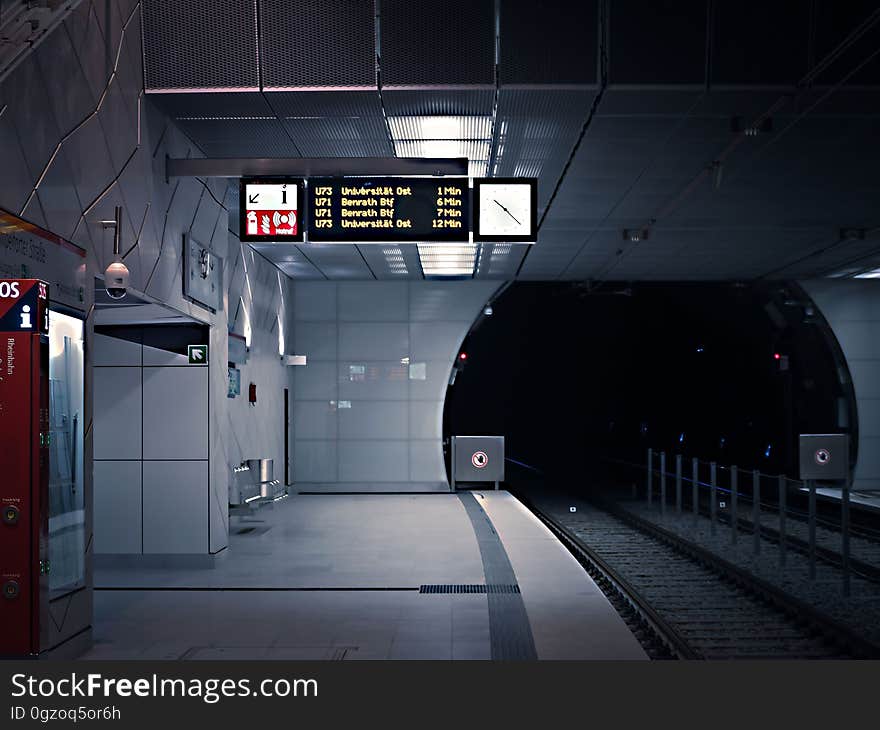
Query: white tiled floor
column 360, row 547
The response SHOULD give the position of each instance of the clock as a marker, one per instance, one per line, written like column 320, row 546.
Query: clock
column 506, row 209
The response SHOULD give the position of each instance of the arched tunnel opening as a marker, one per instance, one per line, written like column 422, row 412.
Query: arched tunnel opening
column 582, row 381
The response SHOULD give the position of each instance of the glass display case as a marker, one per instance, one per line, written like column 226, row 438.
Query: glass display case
column 66, row 423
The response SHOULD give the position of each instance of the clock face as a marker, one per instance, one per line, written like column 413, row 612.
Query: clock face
column 505, row 210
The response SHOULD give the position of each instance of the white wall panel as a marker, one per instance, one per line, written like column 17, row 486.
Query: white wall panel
column 175, row 507
column 114, row 351
column 316, row 340
column 373, row 461
column 117, row 415
column 155, row 356
column 371, row 380
column 315, row 419
column 425, row 420
column 373, row 340
column 396, row 343
column 436, row 340
column 117, row 504
column 426, row 461
column 315, row 381
column 366, row 302
column 314, row 301
column 433, row 387
column 368, row 419
column 315, row 461
column 176, row 412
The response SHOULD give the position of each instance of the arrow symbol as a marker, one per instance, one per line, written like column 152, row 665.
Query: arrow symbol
column 253, row 198
column 198, row 355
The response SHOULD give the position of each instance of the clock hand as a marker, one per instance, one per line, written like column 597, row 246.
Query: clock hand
column 508, row 212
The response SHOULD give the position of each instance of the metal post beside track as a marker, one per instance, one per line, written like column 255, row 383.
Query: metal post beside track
column 713, row 497
column 650, row 473
column 663, row 483
column 844, row 536
column 811, row 485
column 734, row 500
column 782, row 509
column 678, row 484
column 756, row 511
column 695, row 486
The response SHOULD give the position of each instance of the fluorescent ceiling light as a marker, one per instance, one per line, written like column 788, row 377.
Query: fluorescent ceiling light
column 440, row 127
column 872, row 274
column 395, row 261
column 478, row 168
column 445, row 259
column 472, row 149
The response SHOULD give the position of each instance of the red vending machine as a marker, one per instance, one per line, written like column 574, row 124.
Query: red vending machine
column 24, row 463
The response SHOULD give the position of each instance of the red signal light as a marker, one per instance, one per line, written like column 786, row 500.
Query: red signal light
column 462, row 356
column 777, row 356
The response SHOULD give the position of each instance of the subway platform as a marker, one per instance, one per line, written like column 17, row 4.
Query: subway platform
column 470, row 575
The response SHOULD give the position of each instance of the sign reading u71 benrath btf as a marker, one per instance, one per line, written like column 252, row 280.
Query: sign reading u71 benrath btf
column 271, row 209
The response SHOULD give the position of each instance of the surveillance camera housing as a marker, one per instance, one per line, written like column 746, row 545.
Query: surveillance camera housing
column 116, row 280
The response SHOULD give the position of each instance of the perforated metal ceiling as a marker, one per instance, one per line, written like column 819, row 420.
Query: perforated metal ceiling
column 192, row 45
column 429, row 43
column 315, row 43
column 670, row 146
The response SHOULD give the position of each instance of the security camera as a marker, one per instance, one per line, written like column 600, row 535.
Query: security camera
column 116, row 280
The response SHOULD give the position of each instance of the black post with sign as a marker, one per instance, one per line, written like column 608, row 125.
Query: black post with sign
column 825, row 457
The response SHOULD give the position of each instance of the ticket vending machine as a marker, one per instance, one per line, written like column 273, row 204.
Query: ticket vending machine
column 24, row 465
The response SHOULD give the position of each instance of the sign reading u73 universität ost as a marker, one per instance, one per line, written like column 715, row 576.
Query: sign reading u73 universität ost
column 271, row 209
column 389, row 210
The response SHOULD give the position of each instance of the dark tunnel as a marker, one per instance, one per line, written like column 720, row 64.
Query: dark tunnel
column 577, row 377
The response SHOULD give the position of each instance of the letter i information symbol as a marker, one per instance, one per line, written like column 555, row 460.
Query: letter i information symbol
column 26, row 317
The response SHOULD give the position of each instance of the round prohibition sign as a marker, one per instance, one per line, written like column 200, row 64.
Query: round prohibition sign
column 822, row 457
column 480, row 459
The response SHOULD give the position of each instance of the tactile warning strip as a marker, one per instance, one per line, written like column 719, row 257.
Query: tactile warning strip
column 510, row 634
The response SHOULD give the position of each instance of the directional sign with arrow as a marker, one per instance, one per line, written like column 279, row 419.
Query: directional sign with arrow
column 197, row 354
column 271, row 209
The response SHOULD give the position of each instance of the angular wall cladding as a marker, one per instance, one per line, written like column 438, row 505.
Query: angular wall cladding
column 77, row 138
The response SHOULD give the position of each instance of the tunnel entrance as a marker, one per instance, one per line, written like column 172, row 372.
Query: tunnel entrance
column 576, row 377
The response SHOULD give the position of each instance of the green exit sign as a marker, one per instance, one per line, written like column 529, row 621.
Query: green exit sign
column 197, row 354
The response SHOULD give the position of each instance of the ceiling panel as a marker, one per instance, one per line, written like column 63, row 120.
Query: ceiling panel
column 641, row 31
column 288, row 258
column 392, row 261
column 337, row 261
column 536, row 130
column 437, row 102
column 294, row 38
column 240, row 137
column 190, row 46
column 718, row 197
column 773, row 57
column 425, row 42
column 567, row 52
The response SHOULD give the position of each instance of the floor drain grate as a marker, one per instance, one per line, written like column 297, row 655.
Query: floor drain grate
column 470, row 588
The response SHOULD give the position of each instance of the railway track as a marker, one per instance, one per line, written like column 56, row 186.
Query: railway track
column 683, row 602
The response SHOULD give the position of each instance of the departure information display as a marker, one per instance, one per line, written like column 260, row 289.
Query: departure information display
column 389, row 209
